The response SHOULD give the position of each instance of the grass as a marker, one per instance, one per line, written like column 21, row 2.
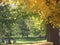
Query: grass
column 30, row 40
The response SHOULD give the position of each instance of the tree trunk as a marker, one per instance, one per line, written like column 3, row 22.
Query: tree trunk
column 9, row 41
column 0, row 1
column 27, row 36
column 52, row 34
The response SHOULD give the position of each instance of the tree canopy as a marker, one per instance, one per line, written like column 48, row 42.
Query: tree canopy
column 26, row 17
column 47, row 9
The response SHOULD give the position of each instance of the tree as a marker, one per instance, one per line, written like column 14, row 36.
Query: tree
column 49, row 11
column 6, row 21
column 51, row 18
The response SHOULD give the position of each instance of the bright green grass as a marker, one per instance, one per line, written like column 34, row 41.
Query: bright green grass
column 30, row 40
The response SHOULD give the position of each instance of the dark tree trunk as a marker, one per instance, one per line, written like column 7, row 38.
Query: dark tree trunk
column 52, row 34
column 22, row 36
column 9, row 41
column 0, row 1
column 27, row 36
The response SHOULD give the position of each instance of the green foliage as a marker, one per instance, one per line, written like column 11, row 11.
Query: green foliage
column 17, row 21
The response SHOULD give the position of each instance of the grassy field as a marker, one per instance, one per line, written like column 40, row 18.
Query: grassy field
column 30, row 40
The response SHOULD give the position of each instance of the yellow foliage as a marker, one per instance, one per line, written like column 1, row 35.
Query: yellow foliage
column 49, row 11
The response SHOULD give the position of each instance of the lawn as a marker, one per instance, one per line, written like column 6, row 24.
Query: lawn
column 30, row 40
